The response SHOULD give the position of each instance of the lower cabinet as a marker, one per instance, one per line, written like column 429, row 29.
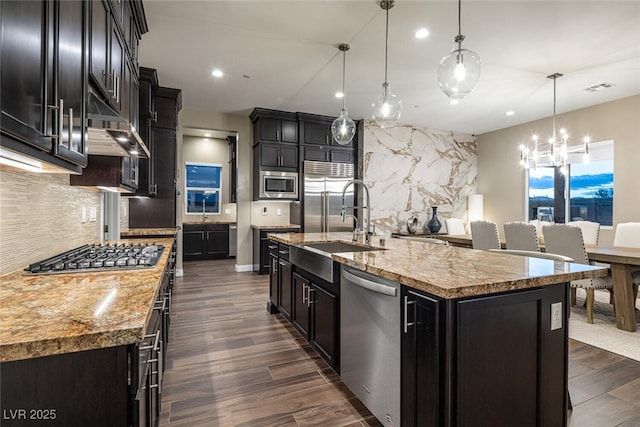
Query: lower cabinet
column 285, row 280
column 488, row 360
column 315, row 312
column 205, row 241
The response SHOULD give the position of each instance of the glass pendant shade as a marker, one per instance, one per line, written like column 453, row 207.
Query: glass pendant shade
column 387, row 108
column 343, row 128
column 459, row 72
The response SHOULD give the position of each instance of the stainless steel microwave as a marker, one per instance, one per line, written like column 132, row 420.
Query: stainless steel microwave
column 278, row 185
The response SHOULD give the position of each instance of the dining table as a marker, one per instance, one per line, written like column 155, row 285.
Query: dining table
column 623, row 261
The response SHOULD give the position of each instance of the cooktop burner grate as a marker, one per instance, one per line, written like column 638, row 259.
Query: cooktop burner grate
column 100, row 257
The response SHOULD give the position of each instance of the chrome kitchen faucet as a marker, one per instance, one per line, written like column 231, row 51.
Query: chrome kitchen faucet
column 343, row 212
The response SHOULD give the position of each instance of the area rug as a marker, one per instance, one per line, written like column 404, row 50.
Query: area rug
column 603, row 332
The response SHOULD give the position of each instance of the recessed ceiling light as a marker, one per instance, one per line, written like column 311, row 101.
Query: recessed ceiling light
column 422, row 33
column 510, row 113
column 339, row 95
column 217, row 73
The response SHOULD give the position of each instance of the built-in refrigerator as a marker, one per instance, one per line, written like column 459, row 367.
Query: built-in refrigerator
column 323, row 185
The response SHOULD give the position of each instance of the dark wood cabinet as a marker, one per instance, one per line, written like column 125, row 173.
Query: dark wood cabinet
column 233, row 168
column 117, row 173
column 300, row 311
column 147, row 83
column 44, row 80
column 274, row 126
column 329, row 154
column 285, row 272
column 261, row 246
column 493, row 358
column 315, row 313
column 316, row 130
column 274, row 283
column 205, row 241
column 421, row 366
column 278, row 156
column 158, row 173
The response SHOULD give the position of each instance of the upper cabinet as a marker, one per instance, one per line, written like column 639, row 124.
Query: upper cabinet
column 316, row 130
column 44, row 81
column 274, row 126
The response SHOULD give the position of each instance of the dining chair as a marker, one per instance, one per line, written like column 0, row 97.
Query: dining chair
column 455, row 226
column 484, row 235
column 628, row 234
column 521, row 236
column 590, row 231
column 567, row 240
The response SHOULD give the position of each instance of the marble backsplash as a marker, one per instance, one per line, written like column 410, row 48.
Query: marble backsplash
column 409, row 169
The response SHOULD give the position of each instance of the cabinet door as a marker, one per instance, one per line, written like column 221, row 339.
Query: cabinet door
column 317, row 133
column 71, row 80
column 24, row 112
column 289, row 131
column 285, row 287
column 318, row 154
column 117, row 69
column 217, row 244
column 324, row 306
column 270, row 155
column 288, row 156
column 192, row 245
column 420, row 360
column 274, row 289
column 342, row 156
column 269, row 129
column 100, row 53
column 300, row 310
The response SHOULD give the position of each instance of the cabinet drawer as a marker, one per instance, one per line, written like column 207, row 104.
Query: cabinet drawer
column 193, row 227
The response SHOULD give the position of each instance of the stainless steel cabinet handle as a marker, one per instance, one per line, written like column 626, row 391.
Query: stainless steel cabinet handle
column 154, row 116
column 309, row 301
column 70, row 128
column 304, row 290
column 406, row 315
column 113, row 84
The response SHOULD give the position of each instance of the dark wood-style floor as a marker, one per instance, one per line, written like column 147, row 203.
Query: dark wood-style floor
column 230, row 363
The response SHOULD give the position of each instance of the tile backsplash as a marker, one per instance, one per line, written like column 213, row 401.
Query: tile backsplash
column 41, row 215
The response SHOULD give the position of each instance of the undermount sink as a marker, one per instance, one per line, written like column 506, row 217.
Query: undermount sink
column 336, row 247
column 316, row 257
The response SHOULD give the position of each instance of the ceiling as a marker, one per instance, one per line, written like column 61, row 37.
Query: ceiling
column 283, row 55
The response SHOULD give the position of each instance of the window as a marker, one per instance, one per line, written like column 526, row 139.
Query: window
column 203, row 187
column 585, row 193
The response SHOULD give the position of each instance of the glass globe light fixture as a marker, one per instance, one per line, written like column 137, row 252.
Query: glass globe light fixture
column 343, row 128
column 386, row 108
column 459, row 71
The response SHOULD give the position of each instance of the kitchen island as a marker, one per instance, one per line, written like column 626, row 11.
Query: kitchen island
column 75, row 347
column 484, row 336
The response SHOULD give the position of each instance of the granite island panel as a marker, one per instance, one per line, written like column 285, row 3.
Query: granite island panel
column 48, row 314
column 447, row 271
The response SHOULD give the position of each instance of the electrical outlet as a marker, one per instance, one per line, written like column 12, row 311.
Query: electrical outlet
column 264, row 210
column 93, row 214
column 83, row 211
column 278, row 212
column 556, row 316
column 227, row 211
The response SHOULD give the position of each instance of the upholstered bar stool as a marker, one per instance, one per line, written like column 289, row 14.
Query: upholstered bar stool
column 521, row 236
column 484, row 235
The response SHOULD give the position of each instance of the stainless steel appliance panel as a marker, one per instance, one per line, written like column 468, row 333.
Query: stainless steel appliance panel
column 278, row 185
column 233, row 240
column 323, row 184
column 370, row 342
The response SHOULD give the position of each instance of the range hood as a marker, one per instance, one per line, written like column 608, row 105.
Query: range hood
column 108, row 133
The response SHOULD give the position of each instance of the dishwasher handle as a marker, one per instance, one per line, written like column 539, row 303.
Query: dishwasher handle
column 369, row 284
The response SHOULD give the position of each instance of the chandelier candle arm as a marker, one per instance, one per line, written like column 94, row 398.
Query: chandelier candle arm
column 558, row 149
column 387, row 107
column 343, row 128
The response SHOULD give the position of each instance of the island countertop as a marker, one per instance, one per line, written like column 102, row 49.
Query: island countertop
column 49, row 314
column 148, row 232
column 447, row 271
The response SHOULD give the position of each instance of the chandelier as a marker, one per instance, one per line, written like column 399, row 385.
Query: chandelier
column 343, row 128
column 555, row 151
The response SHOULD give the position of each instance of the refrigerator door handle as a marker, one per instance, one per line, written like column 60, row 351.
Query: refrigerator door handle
column 323, row 212
column 326, row 212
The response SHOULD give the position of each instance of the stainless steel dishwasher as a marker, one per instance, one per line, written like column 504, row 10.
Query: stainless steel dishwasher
column 370, row 342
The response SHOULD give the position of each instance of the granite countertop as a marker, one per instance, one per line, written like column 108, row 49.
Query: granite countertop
column 207, row 221
column 49, row 314
column 275, row 227
column 447, row 271
column 132, row 232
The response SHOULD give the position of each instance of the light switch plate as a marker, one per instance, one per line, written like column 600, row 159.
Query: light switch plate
column 556, row 316
column 83, row 211
column 264, row 210
column 278, row 211
column 93, row 214
column 227, row 211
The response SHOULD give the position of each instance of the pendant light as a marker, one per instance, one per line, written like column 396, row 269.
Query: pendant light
column 556, row 150
column 459, row 71
column 387, row 107
column 343, row 128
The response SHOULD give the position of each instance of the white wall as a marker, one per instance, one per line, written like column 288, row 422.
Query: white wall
column 502, row 180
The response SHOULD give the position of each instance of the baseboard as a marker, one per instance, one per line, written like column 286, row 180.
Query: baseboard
column 179, row 272
column 243, row 268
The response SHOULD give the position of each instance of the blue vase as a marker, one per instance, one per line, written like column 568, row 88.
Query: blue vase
column 434, row 223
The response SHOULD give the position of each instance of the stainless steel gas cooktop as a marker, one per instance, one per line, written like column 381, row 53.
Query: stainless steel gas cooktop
column 100, row 257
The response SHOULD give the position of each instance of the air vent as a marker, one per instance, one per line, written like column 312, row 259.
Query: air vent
column 600, row 86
